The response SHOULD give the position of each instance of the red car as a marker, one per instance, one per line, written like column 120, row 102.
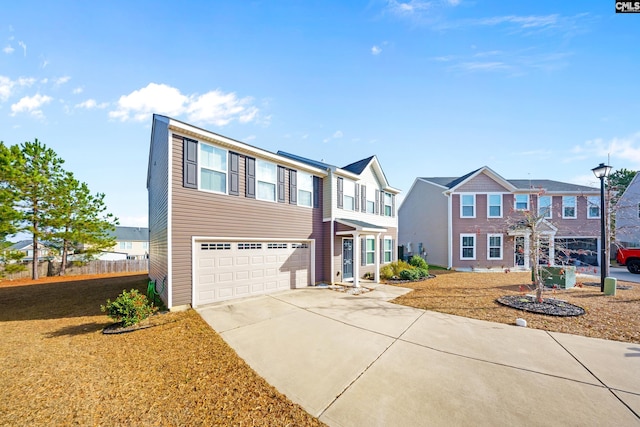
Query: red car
column 629, row 257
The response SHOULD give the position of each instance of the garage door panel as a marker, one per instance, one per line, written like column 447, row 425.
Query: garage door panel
column 228, row 270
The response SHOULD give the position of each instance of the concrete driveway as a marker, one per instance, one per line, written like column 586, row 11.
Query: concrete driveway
column 362, row 361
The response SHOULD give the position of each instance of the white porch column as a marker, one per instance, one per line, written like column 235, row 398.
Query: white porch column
column 356, row 260
column 378, row 255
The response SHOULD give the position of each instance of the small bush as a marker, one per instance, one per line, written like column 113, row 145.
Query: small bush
column 423, row 272
column 418, row 262
column 129, row 308
column 410, row 274
column 394, row 269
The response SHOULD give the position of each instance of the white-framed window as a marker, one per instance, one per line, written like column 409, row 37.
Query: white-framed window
column 145, row 245
column 467, row 206
column 544, row 206
column 348, row 195
column 267, row 180
column 494, row 246
column 494, row 205
column 593, row 207
column 305, row 189
column 467, row 246
column 213, row 168
column 388, row 204
column 126, row 245
column 371, row 205
column 521, row 202
column 569, row 207
column 388, row 249
column 370, row 250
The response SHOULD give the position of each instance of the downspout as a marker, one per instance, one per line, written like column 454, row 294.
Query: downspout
column 449, row 231
column 332, row 240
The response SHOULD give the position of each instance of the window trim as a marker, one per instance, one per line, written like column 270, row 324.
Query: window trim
column 489, row 205
column 462, row 205
column 489, row 236
column 590, row 204
column 385, row 205
column 259, row 180
column 385, row 251
column 550, row 214
column 201, row 167
column 462, row 247
column 300, row 177
column 348, row 191
column 371, row 252
column 575, row 207
column 515, row 202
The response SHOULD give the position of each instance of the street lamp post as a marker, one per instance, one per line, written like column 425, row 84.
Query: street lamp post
column 601, row 172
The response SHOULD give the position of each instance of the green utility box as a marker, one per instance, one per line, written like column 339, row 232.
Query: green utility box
column 610, row 284
column 563, row 277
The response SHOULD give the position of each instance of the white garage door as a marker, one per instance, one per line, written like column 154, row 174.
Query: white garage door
column 227, row 270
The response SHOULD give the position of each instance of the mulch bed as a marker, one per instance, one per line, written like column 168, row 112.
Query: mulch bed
column 548, row 306
column 58, row 368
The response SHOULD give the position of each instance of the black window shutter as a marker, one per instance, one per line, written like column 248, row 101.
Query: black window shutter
column 293, row 187
column 363, row 196
column 250, row 176
column 363, row 251
column 189, row 163
column 356, row 198
column 316, row 192
column 377, row 202
column 234, row 171
column 280, row 184
column 340, row 184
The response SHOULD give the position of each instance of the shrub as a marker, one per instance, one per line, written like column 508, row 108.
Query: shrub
column 418, row 262
column 129, row 308
column 423, row 272
column 394, row 269
column 410, row 274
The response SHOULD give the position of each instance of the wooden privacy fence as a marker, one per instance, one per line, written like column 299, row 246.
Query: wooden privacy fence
column 52, row 268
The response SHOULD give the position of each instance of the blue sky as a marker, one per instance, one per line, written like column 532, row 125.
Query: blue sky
column 530, row 88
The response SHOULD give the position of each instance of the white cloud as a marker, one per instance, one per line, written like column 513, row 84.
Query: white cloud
column 338, row 134
column 626, row 149
column 77, row 90
column 8, row 50
column 90, row 104
column 23, row 46
column 408, row 8
column 214, row 107
column 31, row 105
column 483, row 66
column 61, row 80
column 375, row 50
column 7, row 85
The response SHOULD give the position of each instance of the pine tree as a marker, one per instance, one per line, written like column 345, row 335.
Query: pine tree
column 9, row 215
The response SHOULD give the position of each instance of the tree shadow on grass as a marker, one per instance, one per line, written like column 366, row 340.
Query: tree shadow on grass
column 73, row 330
column 40, row 301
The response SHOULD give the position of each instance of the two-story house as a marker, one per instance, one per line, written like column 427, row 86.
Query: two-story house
column 475, row 221
column 229, row 220
column 132, row 241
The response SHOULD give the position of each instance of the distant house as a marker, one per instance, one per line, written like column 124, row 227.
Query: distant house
column 132, row 241
column 627, row 213
column 472, row 221
column 26, row 246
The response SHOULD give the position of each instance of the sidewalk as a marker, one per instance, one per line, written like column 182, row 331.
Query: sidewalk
column 360, row 360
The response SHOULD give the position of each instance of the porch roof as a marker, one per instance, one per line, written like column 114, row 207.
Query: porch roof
column 361, row 225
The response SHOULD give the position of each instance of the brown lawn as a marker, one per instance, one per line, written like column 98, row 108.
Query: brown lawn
column 474, row 295
column 59, row 369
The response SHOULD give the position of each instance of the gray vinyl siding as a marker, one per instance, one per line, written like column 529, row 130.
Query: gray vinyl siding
column 158, row 199
column 422, row 218
column 199, row 213
column 481, row 183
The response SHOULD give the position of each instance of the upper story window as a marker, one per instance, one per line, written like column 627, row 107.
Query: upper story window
column 371, row 202
column 213, row 168
column 267, row 179
column 126, row 245
column 544, row 206
column 145, row 245
column 593, row 207
column 521, row 202
column 468, row 206
column 494, row 205
column 348, row 195
column 305, row 189
column 388, row 204
column 569, row 207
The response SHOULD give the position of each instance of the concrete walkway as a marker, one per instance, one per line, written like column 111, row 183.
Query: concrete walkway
column 362, row 361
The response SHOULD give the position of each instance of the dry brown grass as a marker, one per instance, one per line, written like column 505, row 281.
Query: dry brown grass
column 474, row 295
column 59, row 369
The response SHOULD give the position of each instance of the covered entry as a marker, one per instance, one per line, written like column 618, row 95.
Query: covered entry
column 227, row 269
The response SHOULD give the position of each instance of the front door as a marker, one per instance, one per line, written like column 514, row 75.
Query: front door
column 347, row 259
column 519, row 255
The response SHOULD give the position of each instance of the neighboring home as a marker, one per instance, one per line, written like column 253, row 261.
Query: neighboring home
column 627, row 214
column 229, row 220
column 472, row 221
column 26, row 247
column 132, row 241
